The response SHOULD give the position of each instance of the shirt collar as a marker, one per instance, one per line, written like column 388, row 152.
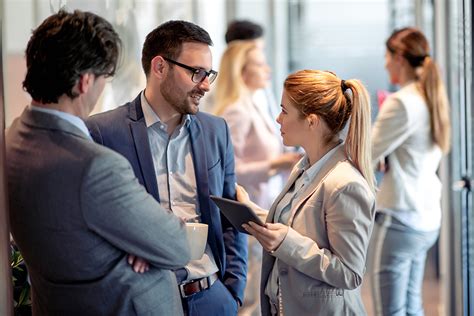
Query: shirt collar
column 73, row 119
column 310, row 172
column 152, row 118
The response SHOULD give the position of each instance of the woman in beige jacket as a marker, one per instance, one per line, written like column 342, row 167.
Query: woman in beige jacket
column 318, row 228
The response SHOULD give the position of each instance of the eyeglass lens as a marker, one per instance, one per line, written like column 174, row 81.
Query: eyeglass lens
column 200, row 75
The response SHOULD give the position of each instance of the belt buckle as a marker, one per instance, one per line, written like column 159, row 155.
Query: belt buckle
column 201, row 287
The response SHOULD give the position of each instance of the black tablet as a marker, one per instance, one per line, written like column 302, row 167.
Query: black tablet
column 236, row 212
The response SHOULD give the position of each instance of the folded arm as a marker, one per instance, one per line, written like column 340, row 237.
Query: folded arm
column 120, row 210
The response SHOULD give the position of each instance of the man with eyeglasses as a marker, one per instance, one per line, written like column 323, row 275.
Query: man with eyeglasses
column 182, row 156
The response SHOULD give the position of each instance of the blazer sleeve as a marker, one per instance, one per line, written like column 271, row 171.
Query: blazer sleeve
column 391, row 128
column 119, row 209
column 235, row 243
column 240, row 126
column 349, row 223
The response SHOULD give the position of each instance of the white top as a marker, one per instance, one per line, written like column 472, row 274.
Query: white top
column 410, row 190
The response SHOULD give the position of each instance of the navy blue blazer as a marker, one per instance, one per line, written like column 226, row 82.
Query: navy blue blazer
column 124, row 130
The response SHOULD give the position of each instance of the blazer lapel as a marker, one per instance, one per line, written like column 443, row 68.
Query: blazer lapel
column 198, row 147
column 339, row 156
column 291, row 180
column 200, row 168
column 142, row 147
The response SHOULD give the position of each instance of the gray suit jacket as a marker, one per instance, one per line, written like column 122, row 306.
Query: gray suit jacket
column 76, row 211
column 322, row 258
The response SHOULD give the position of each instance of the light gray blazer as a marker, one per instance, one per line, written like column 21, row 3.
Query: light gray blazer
column 76, row 211
column 322, row 258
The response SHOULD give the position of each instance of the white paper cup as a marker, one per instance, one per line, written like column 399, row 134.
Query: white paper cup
column 197, row 239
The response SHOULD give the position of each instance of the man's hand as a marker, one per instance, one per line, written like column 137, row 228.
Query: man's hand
column 138, row 264
column 269, row 236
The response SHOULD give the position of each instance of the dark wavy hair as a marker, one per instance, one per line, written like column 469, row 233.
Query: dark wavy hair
column 168, row 38
column 65, row 46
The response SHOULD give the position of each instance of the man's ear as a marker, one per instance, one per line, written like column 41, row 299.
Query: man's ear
column 157, row 66
column 86, row 80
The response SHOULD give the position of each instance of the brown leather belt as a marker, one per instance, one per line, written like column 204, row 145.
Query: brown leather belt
column 192, row 287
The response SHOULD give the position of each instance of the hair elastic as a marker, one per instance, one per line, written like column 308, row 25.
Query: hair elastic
column 343, row 86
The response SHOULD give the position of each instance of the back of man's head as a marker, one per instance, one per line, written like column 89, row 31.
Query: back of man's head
column 64, row 47
column 243, row 30
column 168, row 38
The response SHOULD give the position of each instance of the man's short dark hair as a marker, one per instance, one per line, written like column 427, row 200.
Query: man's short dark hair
column 64, row 47
column 243, row 30
column 168, row 38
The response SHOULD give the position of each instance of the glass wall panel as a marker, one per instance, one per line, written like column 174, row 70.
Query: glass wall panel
column 133, row 20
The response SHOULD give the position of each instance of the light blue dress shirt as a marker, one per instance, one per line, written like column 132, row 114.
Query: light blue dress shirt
column 176, row 179
column 74, row 120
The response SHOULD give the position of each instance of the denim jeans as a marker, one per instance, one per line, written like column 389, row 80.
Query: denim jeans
column 398, row 266
column 217, row 300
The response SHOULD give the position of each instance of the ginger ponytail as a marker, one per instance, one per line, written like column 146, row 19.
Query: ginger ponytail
column 338, row 102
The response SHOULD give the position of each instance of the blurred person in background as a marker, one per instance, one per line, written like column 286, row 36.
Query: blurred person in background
column 257, row 147
column 259, row 157
column 245, row 30
column 413, row 130
column 318, row 229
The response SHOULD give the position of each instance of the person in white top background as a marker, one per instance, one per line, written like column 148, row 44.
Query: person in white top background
column 413, row 131
column 259, row 156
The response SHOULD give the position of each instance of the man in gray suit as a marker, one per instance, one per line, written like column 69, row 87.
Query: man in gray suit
column 76, row 208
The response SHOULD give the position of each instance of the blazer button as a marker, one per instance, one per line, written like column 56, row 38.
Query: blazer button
column 283, row 272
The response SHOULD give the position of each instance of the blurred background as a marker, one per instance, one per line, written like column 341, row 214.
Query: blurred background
column 344, row 36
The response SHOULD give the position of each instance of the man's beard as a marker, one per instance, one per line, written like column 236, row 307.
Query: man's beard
column 179, row 100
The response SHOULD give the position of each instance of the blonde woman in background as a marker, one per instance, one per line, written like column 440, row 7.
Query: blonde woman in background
column 413, row 130
column 259, row 156
column 258, row 149
column 318, row 228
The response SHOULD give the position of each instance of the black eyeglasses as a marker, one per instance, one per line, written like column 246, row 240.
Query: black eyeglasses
column 199, row 74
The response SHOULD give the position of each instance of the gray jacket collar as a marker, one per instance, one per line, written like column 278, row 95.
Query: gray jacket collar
column 50, row 122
